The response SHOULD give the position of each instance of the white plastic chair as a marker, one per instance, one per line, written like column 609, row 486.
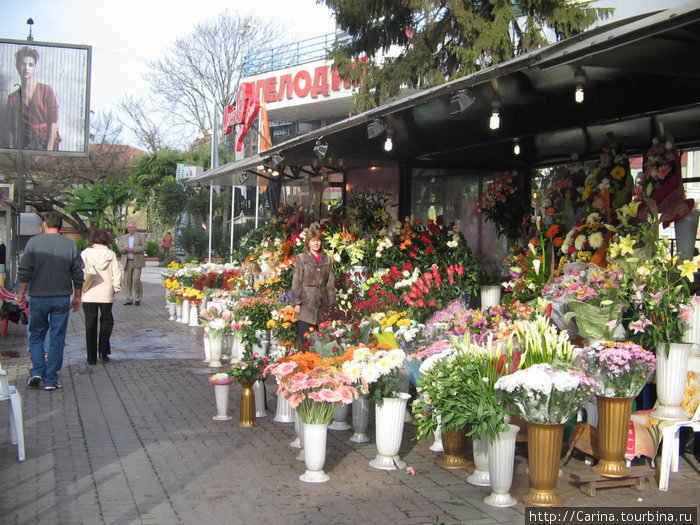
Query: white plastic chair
column 10, row 393
column 670, row 442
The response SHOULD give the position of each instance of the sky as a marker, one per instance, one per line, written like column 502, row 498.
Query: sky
column 125, row 35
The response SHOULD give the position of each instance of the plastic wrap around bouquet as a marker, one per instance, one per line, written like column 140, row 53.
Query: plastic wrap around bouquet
column 545, row 393
column 620, row 369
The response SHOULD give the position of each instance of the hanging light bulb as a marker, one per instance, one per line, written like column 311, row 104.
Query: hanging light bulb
column 579, row 95
column 495, row 120
column 389, row 143
column 579, row 78
column 516, row 147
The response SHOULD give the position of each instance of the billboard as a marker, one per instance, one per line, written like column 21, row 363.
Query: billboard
column 44, row 98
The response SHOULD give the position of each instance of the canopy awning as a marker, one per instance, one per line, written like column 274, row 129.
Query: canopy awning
column 636, row 74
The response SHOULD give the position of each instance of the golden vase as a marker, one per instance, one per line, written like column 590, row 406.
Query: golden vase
column 247, row 415
column 613, row 429
column 543, row 455
column 453, row 443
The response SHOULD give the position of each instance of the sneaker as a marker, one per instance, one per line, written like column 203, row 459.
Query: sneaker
column 57, row 386
column 34, row 382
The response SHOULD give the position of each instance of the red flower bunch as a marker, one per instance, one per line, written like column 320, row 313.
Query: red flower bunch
column 208, row 280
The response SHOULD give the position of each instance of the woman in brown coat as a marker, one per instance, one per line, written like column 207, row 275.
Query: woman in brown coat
column 313, row 284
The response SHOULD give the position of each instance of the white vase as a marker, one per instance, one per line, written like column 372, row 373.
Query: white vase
column 340, row 416
column 501, row 461
column 178, row 312
column 221, row 392
column 216, row 346
column 691, row 334
column 300, row 434
column 315, row 453
column 437, row 437
column 360, row 419
column 480, row 476
column 591, row 407
column 670, row 380
column 172, row 310
column 389, row 421
column 207, row 346
column 185, row 318
column 194, row 315
column 296, row 442
column 490, row 295
column 686, row 234
column 236, row 348
column 259, row 391
column 283, row 412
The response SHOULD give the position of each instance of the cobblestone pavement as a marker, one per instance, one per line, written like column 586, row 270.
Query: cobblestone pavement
column 132, row 441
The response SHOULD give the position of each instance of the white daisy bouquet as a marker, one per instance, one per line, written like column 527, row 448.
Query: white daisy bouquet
column 375, row 370
column 584, row 239
column 547, row 393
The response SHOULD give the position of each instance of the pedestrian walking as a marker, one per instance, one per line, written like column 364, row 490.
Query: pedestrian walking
column 103, row 278
column 52, row 265
column 165, row 246
column 132, row 246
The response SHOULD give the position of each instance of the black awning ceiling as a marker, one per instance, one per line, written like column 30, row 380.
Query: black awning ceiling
column 635, row 74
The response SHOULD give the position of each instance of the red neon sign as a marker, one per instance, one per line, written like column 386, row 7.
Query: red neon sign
column 241, row 116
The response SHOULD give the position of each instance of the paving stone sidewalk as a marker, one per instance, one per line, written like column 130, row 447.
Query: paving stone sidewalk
column 132, row 441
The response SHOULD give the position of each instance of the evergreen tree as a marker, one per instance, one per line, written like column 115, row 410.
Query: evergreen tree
column 424, row 43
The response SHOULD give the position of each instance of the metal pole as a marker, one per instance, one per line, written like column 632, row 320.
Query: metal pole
column 214, row 164
column 233, row 219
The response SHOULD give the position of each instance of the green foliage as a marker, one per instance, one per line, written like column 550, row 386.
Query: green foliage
column 150, row 171
column 440, row 41
column 168, row 202
column 195, row 242
column 81, row 244
column 152, row 249
column 368, row 210
column 100, row 202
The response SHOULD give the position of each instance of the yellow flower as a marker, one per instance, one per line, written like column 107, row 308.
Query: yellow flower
column 617, row 172
column 688, row 269
column 271, row 323
column 626, row 245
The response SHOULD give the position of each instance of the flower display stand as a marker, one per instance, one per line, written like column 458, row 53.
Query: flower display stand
column 670, row 380
column 315, row 436
column 247, row 413
column 194, row 315
column 178, row 312
column 437, row 437
column 340, row 417
column 216, row 346
column 360, row 419
column 389, row 421
column 185, row 317
column 480, row 476
column 589, row 482
column 613, row 430
column 543, row 454
column 259, row 391
column 501, row 461
column 172, row 311
column 283, row 412
column 221, row 393
column 454, row 441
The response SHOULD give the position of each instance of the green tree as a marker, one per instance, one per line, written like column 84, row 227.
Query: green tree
column 99, row 203
column 440, row 40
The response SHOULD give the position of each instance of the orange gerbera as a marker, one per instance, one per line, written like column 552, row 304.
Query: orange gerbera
column 306, row 361
column 552, row 231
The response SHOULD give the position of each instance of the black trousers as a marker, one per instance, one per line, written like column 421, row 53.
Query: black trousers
column 97, row 339
column 303, row 327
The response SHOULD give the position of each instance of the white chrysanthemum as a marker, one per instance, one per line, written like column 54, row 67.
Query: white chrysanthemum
column 362, row 354
column 578, row 243
column 595, row 240
column 396, row 357
column 352, row 370
column 564, row 381
column 369, row 374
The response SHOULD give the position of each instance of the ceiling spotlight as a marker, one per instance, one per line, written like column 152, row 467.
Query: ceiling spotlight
column 495, row 120
column 580, row 79
column 375, row 128
column 276, row 160
column 460, row 101
column 516, row 147
column 243, row 178
column 321, row 148
column 389, row 143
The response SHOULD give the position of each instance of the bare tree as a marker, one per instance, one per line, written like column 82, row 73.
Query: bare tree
column 145, row 122
column 201, row 69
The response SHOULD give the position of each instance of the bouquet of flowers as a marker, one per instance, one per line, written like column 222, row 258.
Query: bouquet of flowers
column 546, row 393
column 312, row 385
column 541, row 342
column 585, row 239
column 420, row 362
column 258, row 310
column 459, row 387
column 504, row 204
column 221, row 379
column 250, row 368
column 619, row 369
column 374, row 369
column 192, row 295
column 284, row 324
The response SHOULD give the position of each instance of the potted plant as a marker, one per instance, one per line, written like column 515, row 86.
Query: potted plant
column 246, row 371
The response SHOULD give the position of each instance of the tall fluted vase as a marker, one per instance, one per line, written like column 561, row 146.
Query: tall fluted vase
column 194, row 315
column 360, row 419
column 207, row 347
column 480, row 451
column 490, row 295
column 216, row 346
column 172, row 310
column 437, row 437
column 389, row 420
column 686, row 235
column 671, row 369
column 259, row 391
column 613, row 430
column 543, row 454
column 178, row 312
column 247, row 414
column 315, row 437
column 221, row 393
column 283, row 412
column 501, row 462
column 185, row 317
column 340, row 417
column 454, row 442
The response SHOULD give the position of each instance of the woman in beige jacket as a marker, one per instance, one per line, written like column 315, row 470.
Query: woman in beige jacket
column 102, row 280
